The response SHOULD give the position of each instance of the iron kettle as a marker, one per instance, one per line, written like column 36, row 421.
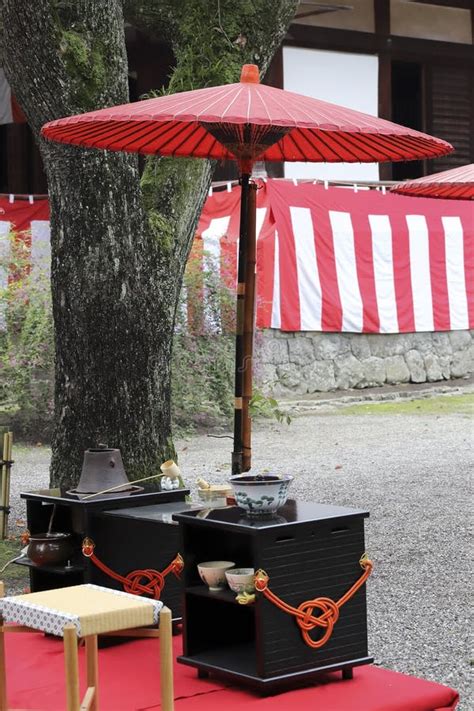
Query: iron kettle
column 102, row 468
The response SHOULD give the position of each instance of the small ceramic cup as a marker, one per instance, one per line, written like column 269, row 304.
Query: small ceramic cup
column 212, row 573
column 241, row 579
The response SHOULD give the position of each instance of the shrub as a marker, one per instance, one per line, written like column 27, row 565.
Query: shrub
column 203, row 349
column 26, row 340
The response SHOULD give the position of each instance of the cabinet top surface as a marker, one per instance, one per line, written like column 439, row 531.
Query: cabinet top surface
column 292, row 513
column 149, row 494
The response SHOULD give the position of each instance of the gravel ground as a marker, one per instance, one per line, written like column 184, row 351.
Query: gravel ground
column 413, row 473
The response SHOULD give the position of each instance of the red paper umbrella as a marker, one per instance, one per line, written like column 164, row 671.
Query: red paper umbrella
column 246, row 122
column 457, row 183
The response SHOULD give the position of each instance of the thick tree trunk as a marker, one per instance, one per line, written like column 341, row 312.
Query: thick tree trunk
column 119, row 248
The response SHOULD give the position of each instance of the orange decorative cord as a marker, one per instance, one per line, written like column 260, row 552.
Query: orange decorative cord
column 304, row 612
column 138, row 582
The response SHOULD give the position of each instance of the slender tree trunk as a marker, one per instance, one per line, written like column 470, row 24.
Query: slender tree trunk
column 120, row 245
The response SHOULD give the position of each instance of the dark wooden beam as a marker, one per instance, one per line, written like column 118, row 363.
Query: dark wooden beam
column 274, row 77
column 17, row 158
column 462, row 4
column 401, row 48
column 382, row 30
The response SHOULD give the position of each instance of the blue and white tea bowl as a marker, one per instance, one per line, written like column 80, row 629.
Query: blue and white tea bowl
column 260, row 494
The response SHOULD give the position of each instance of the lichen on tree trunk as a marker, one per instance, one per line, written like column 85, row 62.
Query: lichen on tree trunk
column 120, row 243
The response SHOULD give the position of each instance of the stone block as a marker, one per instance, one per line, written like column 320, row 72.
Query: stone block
column 319, row 377
column 388, row 344
column 460, row 340
column 416, row 366
column 301, row 351
column 445, row 365
column 374, row 372
column 289, row 377
column 348, row 372
column 462, row 363
column 441, row 344
column 360, row 346
column 266, row 375
column 328, row 346
column 421, row 342
column 397, row 370
column 273, row 350
column 433, row 368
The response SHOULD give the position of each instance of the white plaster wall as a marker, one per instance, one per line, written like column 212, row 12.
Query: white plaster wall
column 341, row 78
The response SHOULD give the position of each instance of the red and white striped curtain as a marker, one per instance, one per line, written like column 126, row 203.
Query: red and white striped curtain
column 331, row 259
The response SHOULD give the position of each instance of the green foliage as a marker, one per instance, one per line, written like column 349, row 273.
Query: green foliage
column 83, row 55
column 16, row 578
column 236, row 33
column 262, row 405
column 26, row 340
column 203, row 348
column 203, row 351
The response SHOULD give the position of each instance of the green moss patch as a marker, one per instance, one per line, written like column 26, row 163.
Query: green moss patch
column 441, row 405
column 15, row 577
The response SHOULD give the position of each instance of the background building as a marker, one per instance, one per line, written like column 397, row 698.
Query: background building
column 410, row 61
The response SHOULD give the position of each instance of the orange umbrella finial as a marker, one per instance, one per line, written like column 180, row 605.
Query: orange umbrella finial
column 250, row 74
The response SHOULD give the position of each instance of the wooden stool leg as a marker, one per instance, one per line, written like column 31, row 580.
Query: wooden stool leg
column 93, row 669
column 3, row 676
column 72, row 668
column 166, row 660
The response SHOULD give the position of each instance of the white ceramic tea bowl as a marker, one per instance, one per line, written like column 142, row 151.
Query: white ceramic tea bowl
column 260, row 495
column 212, row 572
column 241, row 579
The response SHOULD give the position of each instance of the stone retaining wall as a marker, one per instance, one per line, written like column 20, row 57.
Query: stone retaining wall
column 308, row 362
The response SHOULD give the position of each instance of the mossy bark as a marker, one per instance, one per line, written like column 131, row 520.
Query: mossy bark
column 120, row 244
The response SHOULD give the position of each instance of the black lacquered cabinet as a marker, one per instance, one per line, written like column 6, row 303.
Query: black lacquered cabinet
column 130, row 533
column 308, row 550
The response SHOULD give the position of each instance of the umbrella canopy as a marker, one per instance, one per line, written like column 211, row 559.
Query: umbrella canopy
column 246, row 121
column 457, row 183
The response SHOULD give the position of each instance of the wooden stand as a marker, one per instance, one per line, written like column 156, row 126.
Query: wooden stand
column 90, row 701
column 308, row 550
column 132, row 533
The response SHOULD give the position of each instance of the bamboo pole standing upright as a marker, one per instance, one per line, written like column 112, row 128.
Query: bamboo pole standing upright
column 5, row 487
column 237, row 453
column 249, row 327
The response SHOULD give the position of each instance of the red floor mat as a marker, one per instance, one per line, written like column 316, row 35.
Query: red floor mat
column 129, row 681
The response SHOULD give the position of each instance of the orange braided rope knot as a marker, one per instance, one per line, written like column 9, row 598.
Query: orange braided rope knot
column 304, row 612
column 138, row 582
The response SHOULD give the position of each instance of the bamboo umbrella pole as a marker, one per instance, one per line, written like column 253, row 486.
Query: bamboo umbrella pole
column 239, row 326
column 5, row 494
column 8, row 477
column 3, row 476
column 249, row 324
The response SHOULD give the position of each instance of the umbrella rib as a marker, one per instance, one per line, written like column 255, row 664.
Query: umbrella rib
column 338, row 143
column 161, row 129
column 264, row 105
column 137, row 136
column 183, row 104
column 153, row 135
column 314, row 141
column 186, row 134
column 208, row 106
column 229, row 105
column 369, row 145
column 293, row 138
